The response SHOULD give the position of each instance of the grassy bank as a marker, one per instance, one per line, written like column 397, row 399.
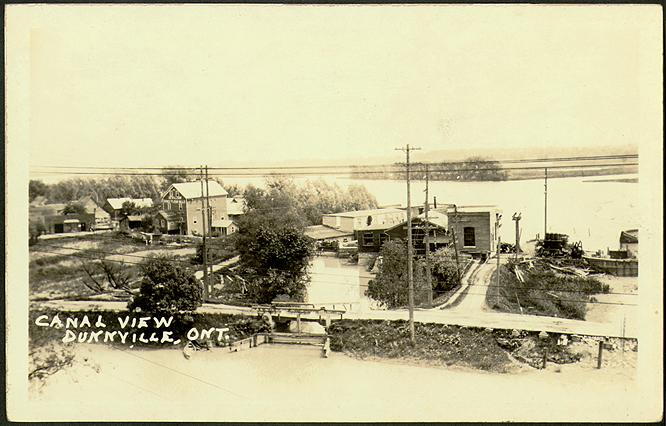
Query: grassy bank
column 478, row 348
column 542, row 291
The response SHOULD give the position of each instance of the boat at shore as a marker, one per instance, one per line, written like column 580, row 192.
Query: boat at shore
column 617, row 267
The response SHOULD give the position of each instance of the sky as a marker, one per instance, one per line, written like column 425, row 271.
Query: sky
column 224, row 84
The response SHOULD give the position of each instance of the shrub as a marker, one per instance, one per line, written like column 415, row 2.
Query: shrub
column 166, row 288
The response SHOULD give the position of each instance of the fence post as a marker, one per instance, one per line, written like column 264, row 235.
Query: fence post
column 545, row 356
column 601, row 349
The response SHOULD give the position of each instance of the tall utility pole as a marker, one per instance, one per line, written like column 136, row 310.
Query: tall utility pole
column 410, row 272
column 545, row 202
column 209, row 217
column 455, row 242
column 499, row 243
column 203, row 232
column 516, row 217
column 498, row 225
column 426, row 241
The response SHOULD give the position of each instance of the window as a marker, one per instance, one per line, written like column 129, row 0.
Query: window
column 468, row 237
column 180, row 206
column 368, row 239
column 382, row 238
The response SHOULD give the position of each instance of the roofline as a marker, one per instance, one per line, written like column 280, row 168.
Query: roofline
column 356, row 213
column 422, row 218
column 194, row 198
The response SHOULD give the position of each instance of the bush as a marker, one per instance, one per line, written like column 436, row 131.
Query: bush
column 166, row 288
column 35, row 229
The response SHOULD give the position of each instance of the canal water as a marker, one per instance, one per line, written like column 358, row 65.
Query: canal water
column 286, row 383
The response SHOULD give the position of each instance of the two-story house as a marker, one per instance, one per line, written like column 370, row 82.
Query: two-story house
column 181, row 211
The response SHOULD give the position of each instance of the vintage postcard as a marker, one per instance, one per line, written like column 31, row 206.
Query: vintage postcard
column 363, row 213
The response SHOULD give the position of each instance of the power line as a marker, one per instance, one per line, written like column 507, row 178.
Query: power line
column 181, row 373
column 340, row 173
column 323, row 166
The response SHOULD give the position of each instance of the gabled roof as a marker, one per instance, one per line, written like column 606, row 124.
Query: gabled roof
column 370, row 212
column 421, row 219
column 190, row 190
column 236, row 205
column 436, row 218
column 91, row 205
column 85, row 199
column 629, row 237
column 322, row 232
column 117, row 203
column 133, row 218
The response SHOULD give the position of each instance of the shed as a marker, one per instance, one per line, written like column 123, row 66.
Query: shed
column 131, row 222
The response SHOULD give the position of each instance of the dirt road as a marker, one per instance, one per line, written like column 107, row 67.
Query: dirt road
column 475, row 298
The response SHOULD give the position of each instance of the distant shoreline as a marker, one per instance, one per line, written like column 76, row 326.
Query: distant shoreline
column 532, row 175
column 621, row 180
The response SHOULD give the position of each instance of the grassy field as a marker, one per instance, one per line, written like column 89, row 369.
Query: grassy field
column 56, row 266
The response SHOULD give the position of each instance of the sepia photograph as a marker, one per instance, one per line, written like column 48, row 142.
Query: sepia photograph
column 334, row 213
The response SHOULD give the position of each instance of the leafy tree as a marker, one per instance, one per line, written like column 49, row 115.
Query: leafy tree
column 275, row 262
column 37, row 188
column 171, row 175
column 444, row 269
column 285, row 203
column 35, row 229
column 391, row 285
column 111, row 187
column 74, row 208
column 166, row 288
column 233, row 190
column 275, row 207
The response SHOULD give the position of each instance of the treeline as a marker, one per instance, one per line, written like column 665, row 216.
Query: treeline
column 471, row 169
column 119, row 186
column 283, row 203
column 101, row 189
